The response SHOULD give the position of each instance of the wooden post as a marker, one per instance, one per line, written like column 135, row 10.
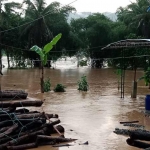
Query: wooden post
column 134, row 89
column 134, row 83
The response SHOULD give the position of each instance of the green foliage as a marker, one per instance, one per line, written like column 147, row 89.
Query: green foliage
column 80, row 34
column 83, row 63
column 118, row 72
column 59, row 88
column 47, row 85
column 43, row 52
column 146, row 77
column 83, row 84
column 136, row 17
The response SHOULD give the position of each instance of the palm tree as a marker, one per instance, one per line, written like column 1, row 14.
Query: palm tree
column 136, row 15
column 6, row 11
column 38, row 31
column 46, row 22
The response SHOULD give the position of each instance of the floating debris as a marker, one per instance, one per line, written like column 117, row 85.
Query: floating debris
column 134, row 125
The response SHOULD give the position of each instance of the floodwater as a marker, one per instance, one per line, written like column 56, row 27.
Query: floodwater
column 87, row 116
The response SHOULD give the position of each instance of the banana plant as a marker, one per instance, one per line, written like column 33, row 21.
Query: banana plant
column 43, row 53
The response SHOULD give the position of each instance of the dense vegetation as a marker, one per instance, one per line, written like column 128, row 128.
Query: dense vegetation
column 38, row 23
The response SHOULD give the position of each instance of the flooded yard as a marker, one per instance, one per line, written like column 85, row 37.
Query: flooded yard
column 87, row 116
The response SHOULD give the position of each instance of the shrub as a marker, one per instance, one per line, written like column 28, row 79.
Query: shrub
column 59, row 88
column 47, row 85
column 83, row 63
column 82, row 84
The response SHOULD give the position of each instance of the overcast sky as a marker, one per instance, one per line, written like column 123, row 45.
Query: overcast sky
column 93, row 5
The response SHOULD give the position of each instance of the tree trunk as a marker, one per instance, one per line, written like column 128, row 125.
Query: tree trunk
column 42, row 80
column 8, row 60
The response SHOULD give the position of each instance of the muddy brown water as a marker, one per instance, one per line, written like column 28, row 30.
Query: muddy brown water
column 87, row 116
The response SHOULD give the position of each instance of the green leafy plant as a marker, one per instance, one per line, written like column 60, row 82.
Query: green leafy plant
column 146, row 77
column 83, row 63
column 43, row 53
column 83, row 84
column 59, row 88
column 47, row 85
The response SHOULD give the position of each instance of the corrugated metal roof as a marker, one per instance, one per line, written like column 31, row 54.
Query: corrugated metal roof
column 128, row 43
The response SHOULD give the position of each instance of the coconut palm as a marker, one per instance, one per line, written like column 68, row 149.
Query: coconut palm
column 39, row 31
column 6, row 11
column 136, row 15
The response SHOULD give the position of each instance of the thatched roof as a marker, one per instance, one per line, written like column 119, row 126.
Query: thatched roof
column 128, row 43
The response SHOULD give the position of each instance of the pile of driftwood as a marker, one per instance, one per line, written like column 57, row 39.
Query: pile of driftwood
column 137, row 136
column 23, row 129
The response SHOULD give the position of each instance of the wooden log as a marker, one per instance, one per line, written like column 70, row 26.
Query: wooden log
column 22, row 110
column 28, row 103
column 22, row 147
column 59, row 128
column 35, row 115
column 23, row 138
column 22, row 122
column 62, row 145
column 53, row 123
column 129, row 122
column 11, row 109
column 50, row 126
column 13, row 94
column 14, row 136
column 137, row 135
column 29, row 126
column 23, row 132
column 7, row 116
column 7, row 110
column 9, row 131
column 31, row 112
column 4, row 129
column 56, row 139
column 52, row 115
column 27, row 116
column 6, row 123
column 138, row 144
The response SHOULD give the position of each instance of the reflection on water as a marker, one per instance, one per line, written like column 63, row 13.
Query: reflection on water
column 93, row 115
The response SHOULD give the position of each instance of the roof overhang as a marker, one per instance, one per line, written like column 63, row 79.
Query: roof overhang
column 128, row 43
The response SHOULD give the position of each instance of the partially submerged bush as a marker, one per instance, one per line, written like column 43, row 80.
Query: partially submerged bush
column 83, row 63
column 47, row 85
column 82, row 84
column 59, row 88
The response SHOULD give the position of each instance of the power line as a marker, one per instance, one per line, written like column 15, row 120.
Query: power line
column 71, row 50
column 36, row 19
column 51, row 51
